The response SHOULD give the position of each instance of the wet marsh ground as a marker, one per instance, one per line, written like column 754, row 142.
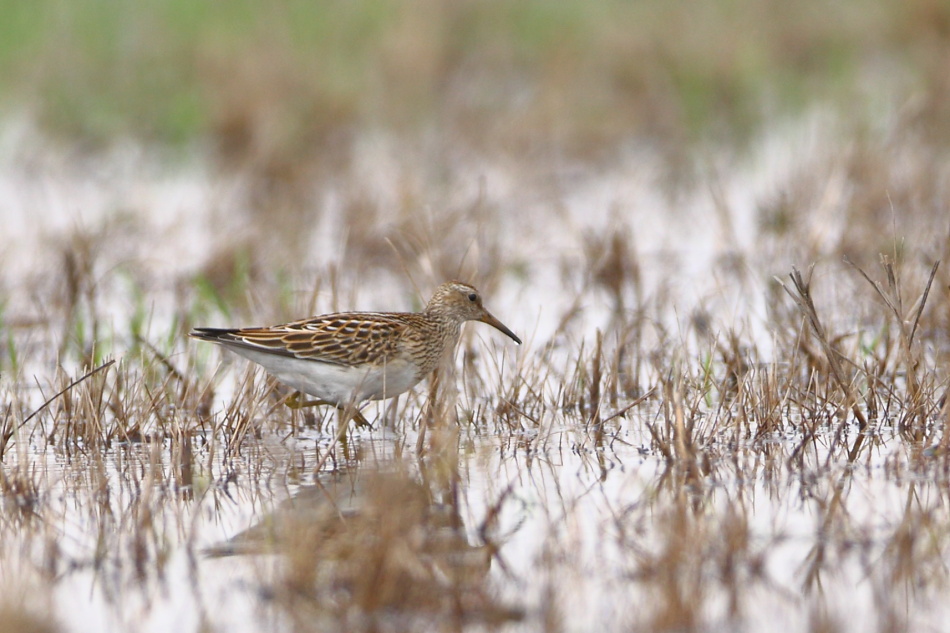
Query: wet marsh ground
column 730, row 411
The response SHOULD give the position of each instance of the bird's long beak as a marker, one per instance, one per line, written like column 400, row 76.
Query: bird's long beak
column 498, row 325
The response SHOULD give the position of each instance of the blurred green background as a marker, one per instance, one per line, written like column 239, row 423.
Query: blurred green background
column 572, row 75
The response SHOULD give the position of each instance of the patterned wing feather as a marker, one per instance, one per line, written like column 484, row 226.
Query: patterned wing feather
column 344, row 339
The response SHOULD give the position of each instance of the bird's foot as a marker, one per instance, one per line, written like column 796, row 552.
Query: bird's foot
column 361, row 421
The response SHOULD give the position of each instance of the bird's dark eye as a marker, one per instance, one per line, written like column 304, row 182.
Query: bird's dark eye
column 472, row 297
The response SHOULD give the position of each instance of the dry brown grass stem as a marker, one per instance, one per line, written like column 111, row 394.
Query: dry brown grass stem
column 801, row 294
column 914, row 420
column 10, row 429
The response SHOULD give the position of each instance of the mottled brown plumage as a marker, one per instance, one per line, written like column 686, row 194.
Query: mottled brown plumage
column 350, row 357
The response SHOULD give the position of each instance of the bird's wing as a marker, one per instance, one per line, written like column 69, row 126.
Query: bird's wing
column 347, row 338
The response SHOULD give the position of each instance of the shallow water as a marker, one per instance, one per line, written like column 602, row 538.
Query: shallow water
column 600, row 527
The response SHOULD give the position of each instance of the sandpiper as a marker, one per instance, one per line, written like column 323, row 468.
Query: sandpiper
column 347, row 358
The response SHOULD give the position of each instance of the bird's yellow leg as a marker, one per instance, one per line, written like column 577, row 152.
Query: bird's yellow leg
column 296, row 401
column 343, row 420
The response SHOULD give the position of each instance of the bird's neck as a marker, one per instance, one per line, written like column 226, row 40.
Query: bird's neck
column 446, row 328
column 446, row 332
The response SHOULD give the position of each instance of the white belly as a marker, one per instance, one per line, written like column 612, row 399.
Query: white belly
column 335, row 383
